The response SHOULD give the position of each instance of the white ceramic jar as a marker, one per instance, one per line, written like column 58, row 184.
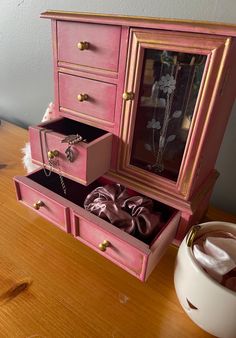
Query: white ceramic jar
column 209, row 304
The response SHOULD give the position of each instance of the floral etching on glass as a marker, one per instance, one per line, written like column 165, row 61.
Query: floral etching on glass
column 168, row 93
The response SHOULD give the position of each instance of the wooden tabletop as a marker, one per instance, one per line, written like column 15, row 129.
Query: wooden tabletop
column 51, row 285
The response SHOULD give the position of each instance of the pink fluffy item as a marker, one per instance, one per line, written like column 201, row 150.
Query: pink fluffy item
column 27, row 160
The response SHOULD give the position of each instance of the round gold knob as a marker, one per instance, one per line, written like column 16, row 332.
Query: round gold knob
column 128, row 96
column 103, row 246
column 38, row 205
column 82, row 45
column 82, row 97
column 52, row 154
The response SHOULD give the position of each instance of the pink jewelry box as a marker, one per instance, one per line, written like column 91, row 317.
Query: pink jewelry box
column 152, row 98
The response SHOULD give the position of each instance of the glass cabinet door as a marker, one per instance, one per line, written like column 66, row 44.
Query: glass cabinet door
column 170, row 80
column 168, row 91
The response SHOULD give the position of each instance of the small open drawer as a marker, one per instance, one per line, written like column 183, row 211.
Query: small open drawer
column 89, row 159
column 128, row 252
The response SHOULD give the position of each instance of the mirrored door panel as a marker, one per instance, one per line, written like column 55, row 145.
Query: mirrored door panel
column 169, row 86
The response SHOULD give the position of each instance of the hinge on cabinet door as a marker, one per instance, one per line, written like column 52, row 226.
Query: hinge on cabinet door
column 224, row 82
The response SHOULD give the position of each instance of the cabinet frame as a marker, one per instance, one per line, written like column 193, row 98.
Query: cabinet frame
column 216, row 49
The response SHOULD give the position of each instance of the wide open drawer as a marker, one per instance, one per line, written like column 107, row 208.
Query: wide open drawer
column 130, row 253
column 90, row 158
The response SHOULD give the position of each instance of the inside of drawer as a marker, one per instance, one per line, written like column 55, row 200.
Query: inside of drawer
column 67, row 127
column 77, row 194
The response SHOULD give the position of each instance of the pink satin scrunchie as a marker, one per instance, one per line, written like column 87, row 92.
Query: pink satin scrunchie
column 133, row 214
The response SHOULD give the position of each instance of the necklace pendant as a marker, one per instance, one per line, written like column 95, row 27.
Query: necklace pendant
column 69, row 154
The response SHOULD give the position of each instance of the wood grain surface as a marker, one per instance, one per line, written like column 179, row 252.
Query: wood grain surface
column 53, row 286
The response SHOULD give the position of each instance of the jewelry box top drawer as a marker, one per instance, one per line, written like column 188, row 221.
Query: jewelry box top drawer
column 87, row 98
column 91, row 45
column 71, row 149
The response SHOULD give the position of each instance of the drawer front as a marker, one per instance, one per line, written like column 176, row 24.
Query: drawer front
column 102, row 51
column 118, row 251
column 67, row 212
column 38, row 139
column 48, row 208
column 90, row 160
column 100, row 101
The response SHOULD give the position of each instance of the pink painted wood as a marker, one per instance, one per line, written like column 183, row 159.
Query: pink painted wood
column 101, row 52
column 91, row 160
column 191, row 211
column 200, row 202
column 91, row 73
column 212, row 46
column 125, row 250
column 159, row 247
column 101, row 97
column 221, row 104
column 118, row 250
column 120, row 91
column 55, row 72
column 203, row 124
column 111, row 66
column 217, row 28
column 53, row 209
column 101, row 75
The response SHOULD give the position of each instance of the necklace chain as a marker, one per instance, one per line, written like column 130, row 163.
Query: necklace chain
column 53, row 163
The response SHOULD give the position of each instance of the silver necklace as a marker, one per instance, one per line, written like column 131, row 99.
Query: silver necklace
column 53, row 161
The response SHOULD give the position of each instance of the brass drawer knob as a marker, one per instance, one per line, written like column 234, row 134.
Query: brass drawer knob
column 52, row 154
column 38, row 205
column 82, row 97
column 103, row 246
column 128, row 96
column 83, row 45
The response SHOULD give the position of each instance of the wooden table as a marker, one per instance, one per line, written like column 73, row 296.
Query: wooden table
column 53, row 286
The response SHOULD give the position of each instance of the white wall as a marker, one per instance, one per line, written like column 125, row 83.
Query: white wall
column 26, row 81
